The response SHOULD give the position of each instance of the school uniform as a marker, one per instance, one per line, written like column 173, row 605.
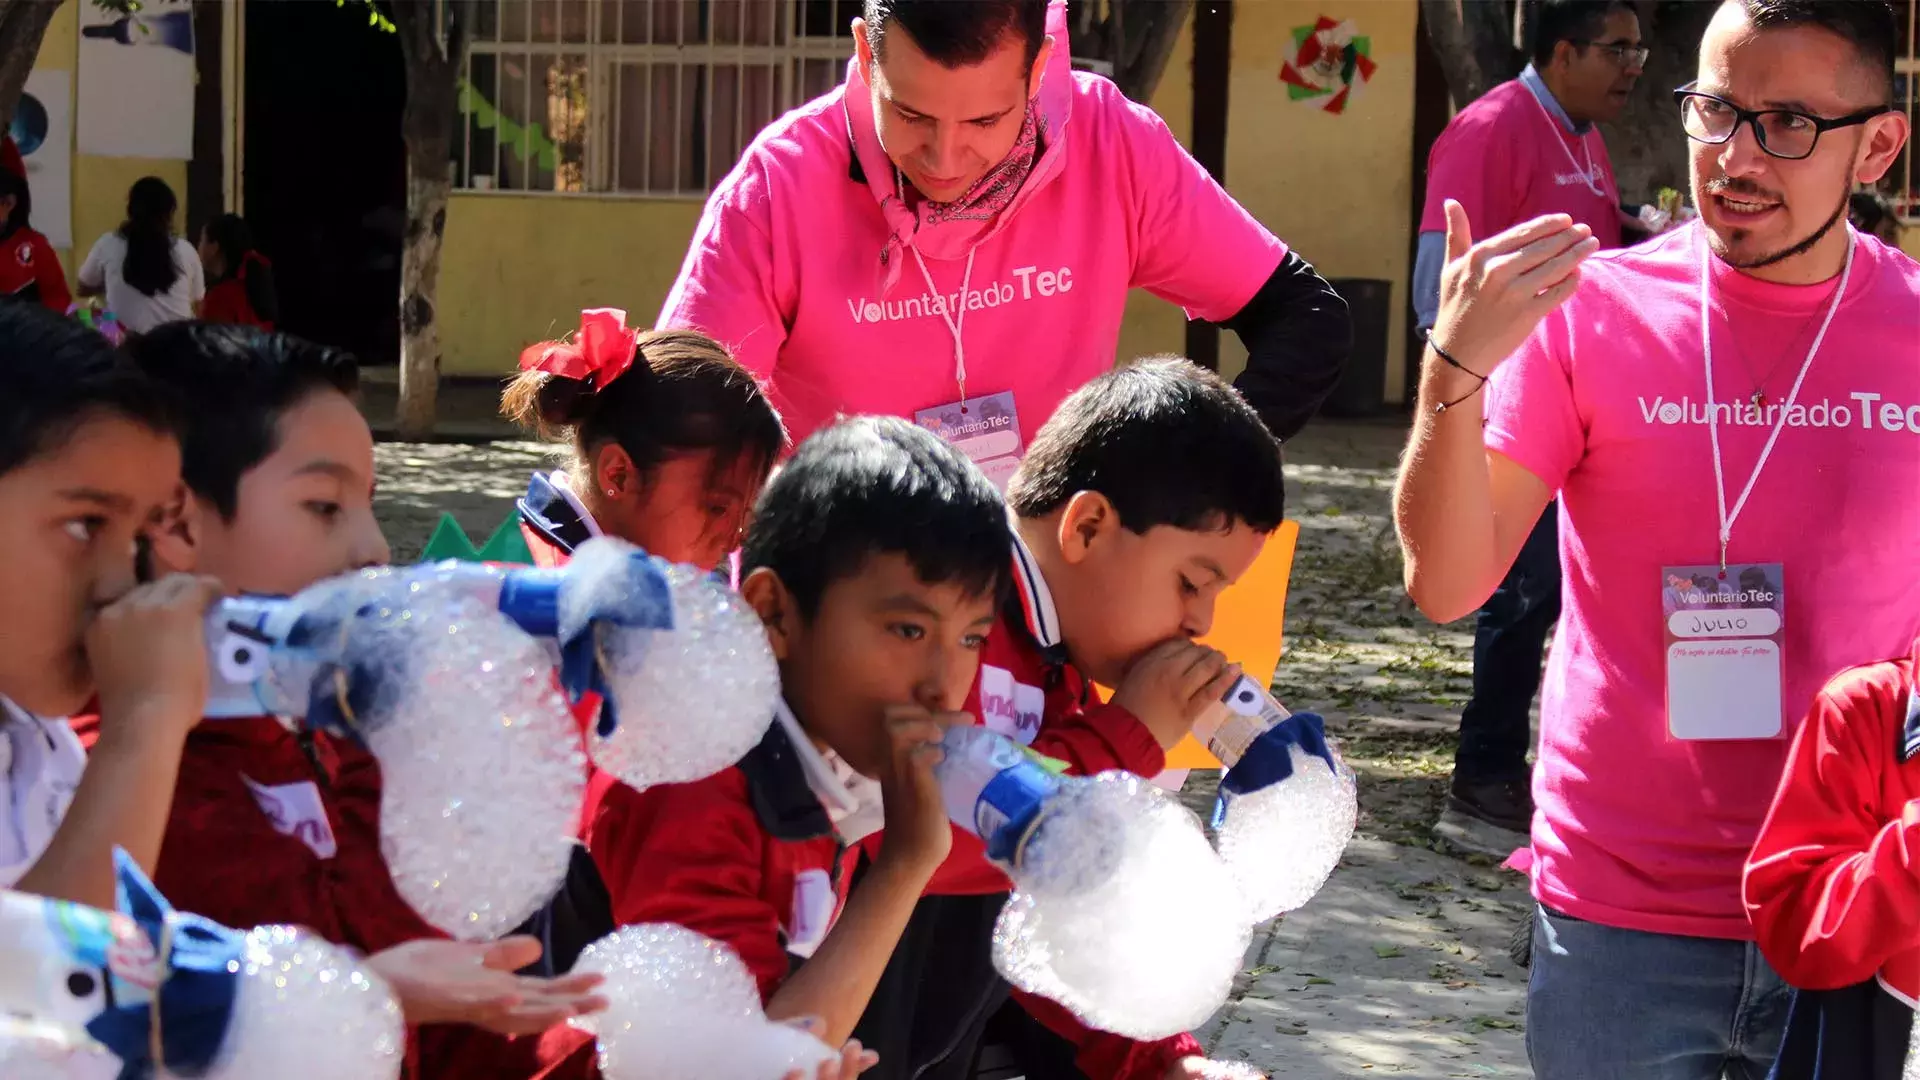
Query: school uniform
column 1833, row 884
column 940, row 994
column 227, row 300
column 30, row 271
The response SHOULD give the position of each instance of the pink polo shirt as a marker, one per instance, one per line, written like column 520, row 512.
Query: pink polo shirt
column 1506, row 160
column 1605, row 404
column 785, row 268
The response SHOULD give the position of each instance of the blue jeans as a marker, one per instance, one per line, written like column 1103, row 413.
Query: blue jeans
column 1495, row 729
column 1610, row 1004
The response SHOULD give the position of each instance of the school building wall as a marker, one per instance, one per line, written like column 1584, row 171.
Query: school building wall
column 99, row 183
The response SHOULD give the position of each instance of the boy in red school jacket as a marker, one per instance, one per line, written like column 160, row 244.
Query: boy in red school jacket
column 875, row 558
column 1833, row 884
column 1148, row 492
column 270, row 825
column 29, row 270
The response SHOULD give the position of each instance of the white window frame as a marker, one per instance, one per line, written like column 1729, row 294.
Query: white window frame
column 600, row 152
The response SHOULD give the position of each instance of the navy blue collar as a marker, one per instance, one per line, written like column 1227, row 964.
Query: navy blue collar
column 548, row 511
column 782, row 800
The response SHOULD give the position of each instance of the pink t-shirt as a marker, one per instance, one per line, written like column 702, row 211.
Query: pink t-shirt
column 1605, row 403
column 1505, row 160
column 785, row 268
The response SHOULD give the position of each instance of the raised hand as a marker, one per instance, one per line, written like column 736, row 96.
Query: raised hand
column 1492, row 294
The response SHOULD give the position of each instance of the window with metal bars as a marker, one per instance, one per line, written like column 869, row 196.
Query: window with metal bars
column 636, row 97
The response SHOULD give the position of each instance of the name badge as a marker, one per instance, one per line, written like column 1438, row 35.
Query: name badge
column 986, row 429
column 812, row 914
column 1726, row 647
column 296, row 810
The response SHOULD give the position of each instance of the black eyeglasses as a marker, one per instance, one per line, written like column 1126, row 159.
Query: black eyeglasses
column 1782, row 133
column 1623, row 54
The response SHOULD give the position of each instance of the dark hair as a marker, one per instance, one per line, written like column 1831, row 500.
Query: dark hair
column 683, row 393
column 15, row 186
column 1166, row 442
column 237, row 381
column 878, row 485
column 230, row 234
column 150, row 266
column 958, row 33
column 1577, row 21
column 60, row 374
column 1867, row 25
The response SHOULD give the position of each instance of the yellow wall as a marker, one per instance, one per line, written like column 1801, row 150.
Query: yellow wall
column 99, row 183
column 1910, row 240
column 1335, row 188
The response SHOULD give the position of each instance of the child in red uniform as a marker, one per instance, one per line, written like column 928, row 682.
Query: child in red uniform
column 671, row 441
column 1147, row 493
column 269, row 825
column 1833, row 884
column 29, row 270
column 875, row 559
column 239, row 279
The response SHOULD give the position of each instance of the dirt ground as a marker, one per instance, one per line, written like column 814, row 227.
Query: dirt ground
column 1399, row 967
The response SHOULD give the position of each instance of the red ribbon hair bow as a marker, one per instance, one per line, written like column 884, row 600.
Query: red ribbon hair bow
column 601, row 352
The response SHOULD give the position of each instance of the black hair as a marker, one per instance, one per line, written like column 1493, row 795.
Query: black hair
column 1576, row 21
column 683, row 393
column 58, row 375
column 238, row 381
column 22, row 214
column 1166, row 442
column 878, row 485
column 958, row 33
column 1867, row 25
column 150, row 266
column 230, row 234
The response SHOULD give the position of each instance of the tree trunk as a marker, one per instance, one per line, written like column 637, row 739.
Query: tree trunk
column 1646, row 145
column 22, row 24
column 1135, row 36
column 1473, row 40
column 433, row 44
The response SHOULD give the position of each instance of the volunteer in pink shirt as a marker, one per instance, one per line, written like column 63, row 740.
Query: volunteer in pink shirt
column 962, row 219
column 1738, row 397
column 1525, row 148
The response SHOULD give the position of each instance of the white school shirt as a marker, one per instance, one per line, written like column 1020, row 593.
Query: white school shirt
column 136, row 310
column 40, row 765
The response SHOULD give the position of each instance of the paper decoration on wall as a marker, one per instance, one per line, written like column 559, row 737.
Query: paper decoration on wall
column 1330, row 63
column 450, row 541
column 528, row 141
column 43, row 130
column 136, row 81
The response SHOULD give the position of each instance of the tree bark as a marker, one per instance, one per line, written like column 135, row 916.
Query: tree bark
column 22, row 24
column 1646, row 145
column 434, row 48
column 1135, row 36
column 1473, row 40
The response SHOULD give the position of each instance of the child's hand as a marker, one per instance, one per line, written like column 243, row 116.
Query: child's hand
column 1171, row 685
column 148, row 656
column 458, row 982
column 853, row 1059
column 1199, row 1068
column 918, row 834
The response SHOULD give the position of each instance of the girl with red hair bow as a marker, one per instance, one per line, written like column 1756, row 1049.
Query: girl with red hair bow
column 671, row 441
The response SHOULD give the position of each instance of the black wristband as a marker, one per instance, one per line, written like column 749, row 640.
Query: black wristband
column 1444, row 355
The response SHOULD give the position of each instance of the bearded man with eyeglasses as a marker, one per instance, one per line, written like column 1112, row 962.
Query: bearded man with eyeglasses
column 1740, row 394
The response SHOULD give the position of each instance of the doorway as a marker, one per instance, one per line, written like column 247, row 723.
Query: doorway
column 1432, row 108
column 325, row 181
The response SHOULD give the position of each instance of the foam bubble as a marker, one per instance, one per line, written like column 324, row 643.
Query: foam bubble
column 691, row 701
column 308, row 1009
column 1283, row 841
column 481, row 769
column 1122, row 912
column 684, row 1007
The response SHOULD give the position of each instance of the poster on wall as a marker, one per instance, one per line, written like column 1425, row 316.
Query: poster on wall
column 136, row 81
column 1331, row 61
column 43, row 130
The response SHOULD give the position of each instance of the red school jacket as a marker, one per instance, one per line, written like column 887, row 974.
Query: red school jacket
column 29, row 270
column 1833, row 884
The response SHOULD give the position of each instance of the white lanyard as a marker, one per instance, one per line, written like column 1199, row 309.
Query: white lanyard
column 954, row 318
column 1713, row 428
column 1586, row 176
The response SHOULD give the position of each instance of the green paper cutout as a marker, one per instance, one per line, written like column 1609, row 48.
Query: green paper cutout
column 504, row 545
column 528, row 141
